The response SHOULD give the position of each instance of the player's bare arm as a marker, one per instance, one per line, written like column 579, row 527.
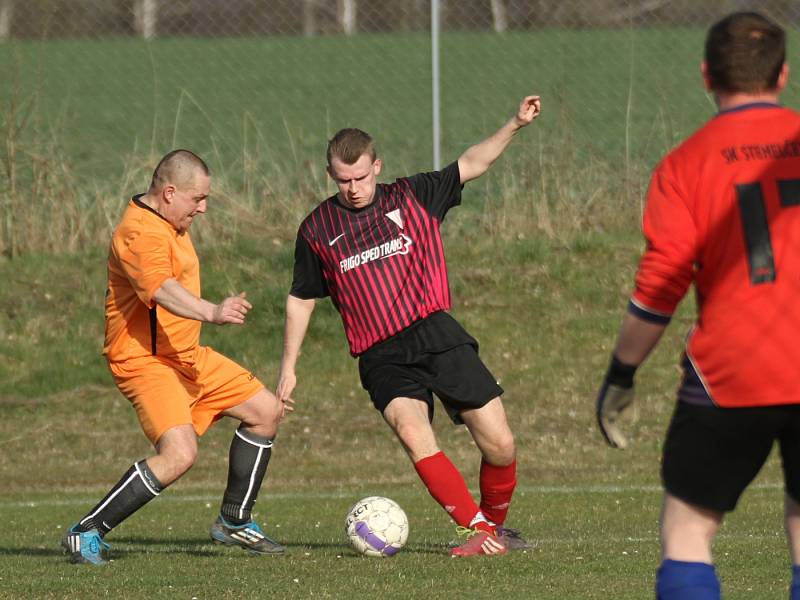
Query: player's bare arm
column 298, row 316
column 477, row 159
column 180, row 301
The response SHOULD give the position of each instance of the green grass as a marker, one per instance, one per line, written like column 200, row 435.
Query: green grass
column 51, row 342
column 545, row 313
column 595, row 537
column 280, row 99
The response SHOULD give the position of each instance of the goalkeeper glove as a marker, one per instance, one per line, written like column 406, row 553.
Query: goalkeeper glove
column 614, row 398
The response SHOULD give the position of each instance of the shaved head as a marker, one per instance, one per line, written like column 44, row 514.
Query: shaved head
column 177, row 168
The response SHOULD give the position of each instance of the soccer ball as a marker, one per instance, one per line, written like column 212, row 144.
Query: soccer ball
column 376, row 526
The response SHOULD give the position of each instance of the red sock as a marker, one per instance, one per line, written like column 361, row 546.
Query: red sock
column 447, row 487
column 497, row 487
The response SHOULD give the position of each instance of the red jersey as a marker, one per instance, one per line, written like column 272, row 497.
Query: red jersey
column 723, row 211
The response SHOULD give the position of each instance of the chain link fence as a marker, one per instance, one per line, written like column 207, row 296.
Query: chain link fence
column 52, row 19
column 95, row 90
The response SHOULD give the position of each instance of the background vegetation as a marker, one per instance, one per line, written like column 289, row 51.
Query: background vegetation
column 542, row 256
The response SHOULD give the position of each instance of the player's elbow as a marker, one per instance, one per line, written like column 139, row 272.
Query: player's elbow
column 471, row 169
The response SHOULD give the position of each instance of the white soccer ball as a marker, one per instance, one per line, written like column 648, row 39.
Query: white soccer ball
column 376, row 526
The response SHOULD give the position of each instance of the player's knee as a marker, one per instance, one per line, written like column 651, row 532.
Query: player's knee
column 182, row 457
column 406, row 431
column 264, row 413
column 691, row 532
column 273, row 411
column 501, row 450
column 419, row 441
column 185, row 463
column 507, row 452
column 265, row 422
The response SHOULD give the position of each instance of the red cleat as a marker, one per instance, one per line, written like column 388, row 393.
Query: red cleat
column 479, row 543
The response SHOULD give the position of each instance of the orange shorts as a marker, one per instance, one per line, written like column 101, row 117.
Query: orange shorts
column 167, row 392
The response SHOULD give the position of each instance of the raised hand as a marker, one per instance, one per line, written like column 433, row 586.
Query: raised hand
column 529, row 109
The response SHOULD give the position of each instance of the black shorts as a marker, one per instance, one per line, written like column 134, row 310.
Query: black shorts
column 433, row 356
column 712, row 454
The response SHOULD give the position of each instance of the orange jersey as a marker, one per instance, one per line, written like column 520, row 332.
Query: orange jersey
column 723, row 211
column 146, row 251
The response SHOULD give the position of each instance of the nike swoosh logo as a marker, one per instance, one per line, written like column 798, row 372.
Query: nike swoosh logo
column 336, row 239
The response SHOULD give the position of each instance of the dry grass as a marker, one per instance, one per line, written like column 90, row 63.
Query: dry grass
column 48, row 208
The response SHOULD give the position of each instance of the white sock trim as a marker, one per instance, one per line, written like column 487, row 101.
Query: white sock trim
column 252, row 481
column 479, row 518
column 144, row 479
column 267, row 444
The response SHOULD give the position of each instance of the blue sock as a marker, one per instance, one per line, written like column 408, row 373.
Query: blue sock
column 678, row 580
column 794, row 593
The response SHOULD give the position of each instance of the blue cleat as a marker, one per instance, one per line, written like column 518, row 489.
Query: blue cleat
column 85, row 546
column 248, row 536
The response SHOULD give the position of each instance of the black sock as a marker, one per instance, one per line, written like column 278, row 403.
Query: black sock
column 136, row 488
column 248, row 459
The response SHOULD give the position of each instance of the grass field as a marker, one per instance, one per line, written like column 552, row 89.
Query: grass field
column 545, row 314
column 541, row 258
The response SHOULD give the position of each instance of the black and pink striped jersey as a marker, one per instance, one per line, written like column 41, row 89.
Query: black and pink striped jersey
column 383, row 266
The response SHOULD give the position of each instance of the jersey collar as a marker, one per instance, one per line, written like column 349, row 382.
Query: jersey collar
column 137, row 200
column 748, row 106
